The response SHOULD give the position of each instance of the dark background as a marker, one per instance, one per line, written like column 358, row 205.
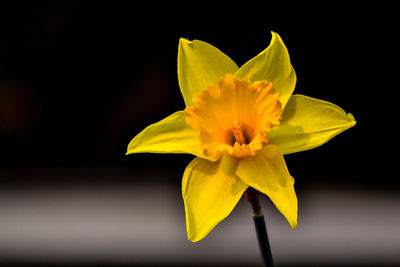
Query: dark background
column 78, row 80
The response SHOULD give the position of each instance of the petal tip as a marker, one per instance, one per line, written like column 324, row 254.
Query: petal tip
column 184, row 40
column 293, row 225
column 193, row 240
column 352, row 120
column 351, row 117
column 194, row 236
column 274, row 33
column 184, row 43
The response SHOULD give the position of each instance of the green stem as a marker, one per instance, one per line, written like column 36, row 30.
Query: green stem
column 261, row 229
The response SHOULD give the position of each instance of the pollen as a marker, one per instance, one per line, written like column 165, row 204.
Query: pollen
column 234, row 116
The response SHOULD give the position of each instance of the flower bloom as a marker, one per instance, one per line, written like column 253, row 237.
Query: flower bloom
column 238, row 122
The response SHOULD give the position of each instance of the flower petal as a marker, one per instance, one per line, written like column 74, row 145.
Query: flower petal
column 210, row 191
column 200, row 64
column 307, row 123
column 267, row 172
column 272, row 64
column 170, row 135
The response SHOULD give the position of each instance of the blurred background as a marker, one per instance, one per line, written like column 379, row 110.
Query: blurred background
column 79, row 79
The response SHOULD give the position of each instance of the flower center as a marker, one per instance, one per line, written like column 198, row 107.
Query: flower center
column 233, row 116
column 238, row 133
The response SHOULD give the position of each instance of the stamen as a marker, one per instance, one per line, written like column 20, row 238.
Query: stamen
column 238, row 133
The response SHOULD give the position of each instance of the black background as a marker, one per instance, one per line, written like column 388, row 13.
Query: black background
column 78, row 80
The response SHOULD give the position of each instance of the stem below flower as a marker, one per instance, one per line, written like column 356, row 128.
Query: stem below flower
column 251, row 195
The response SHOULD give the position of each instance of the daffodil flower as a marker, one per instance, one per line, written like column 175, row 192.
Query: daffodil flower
column 238, row 122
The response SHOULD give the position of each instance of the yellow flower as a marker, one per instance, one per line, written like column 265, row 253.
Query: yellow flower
column 239, row 122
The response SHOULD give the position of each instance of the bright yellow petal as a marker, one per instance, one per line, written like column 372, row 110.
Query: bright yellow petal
column 210, row 191
column 272, row 64
column 267, row 172
column 170, row 135
column 307, row 123
column 200, row 64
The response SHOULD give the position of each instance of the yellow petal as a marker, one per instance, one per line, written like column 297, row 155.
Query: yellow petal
column 267, row 172
column 170, row 135
column 200, row 64
column 272, row 64
column 307, row 123
column 210, row 191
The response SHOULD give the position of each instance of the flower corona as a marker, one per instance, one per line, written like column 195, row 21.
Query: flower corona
column 234, row 116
